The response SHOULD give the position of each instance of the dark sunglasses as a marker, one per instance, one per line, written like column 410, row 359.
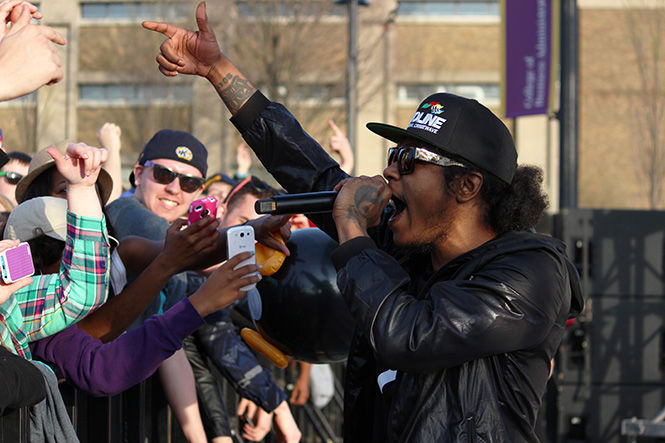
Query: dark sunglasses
column 164, row 176
column 11, row 177
column 406, row 158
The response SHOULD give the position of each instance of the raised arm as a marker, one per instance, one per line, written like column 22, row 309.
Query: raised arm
column 81, row 285
column 301, row 165
column 109, row 139
column 198, row 53
column 180, row 247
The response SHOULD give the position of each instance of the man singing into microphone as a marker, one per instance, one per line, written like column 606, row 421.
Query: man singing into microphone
column 459, row 308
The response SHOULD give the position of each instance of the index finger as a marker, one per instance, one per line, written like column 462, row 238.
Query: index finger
column 52, row 35
column 161, row 27
column 335, row 127
column 55, row 155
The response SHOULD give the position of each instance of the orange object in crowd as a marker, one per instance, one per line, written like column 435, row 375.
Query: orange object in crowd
column 259, row 344
column 269, row 259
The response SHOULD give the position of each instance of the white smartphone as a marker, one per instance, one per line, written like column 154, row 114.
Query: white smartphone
column 241, row 239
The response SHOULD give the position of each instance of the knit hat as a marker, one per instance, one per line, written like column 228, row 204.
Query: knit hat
column 42, row 162
column 38, row 216
column 174, row 145
column 462, row 127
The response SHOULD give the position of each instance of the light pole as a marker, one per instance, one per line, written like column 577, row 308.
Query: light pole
column 352, row 71
column 568, row 107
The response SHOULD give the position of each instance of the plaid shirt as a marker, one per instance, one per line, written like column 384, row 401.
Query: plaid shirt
column 55, row 301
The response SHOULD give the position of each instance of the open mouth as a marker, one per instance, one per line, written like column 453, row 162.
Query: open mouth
column 400, row 206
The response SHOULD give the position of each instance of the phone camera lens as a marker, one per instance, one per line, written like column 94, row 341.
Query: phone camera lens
column 204, row 213
column 198, row 208
column 242, row 234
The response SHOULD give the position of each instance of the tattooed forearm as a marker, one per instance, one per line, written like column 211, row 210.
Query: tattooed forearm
column 235, row 90
column 366, row 207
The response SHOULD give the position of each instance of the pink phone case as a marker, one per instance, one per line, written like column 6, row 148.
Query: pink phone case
column 206, row 206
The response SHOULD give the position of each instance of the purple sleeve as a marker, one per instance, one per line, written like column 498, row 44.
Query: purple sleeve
column 108, row 369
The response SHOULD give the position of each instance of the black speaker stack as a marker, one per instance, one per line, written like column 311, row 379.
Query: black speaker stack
column 611, row 366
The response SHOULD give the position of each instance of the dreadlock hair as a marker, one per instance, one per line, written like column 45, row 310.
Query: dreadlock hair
column 517, row 206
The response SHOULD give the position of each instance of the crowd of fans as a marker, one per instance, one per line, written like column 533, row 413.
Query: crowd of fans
column 121, row 282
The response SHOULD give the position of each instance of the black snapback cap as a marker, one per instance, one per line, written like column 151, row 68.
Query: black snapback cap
column 462, row 127
column 174, row 145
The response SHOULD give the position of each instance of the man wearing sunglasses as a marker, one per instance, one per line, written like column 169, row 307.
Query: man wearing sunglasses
column 459, row 305
column 11, row 172
column 170, row 173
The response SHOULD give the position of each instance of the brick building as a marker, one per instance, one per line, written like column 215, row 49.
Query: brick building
column 407, row 49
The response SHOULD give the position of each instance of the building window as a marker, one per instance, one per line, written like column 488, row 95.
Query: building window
column 318, row 92
column 133, row 11
column 449, row 8
column 289, row 9
column 124, row 94
column 486, row 93
column 308, row 93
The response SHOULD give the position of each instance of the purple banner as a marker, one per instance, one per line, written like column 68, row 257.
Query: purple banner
column 528, row 48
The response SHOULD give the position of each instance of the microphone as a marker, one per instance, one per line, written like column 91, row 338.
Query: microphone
column 309, row 202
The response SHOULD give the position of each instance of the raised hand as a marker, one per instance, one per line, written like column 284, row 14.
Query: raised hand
column 28, row 56
column 339, row 144
column 198, row 53
column 81, row 163
column 187, row 52
column 244, row 159
column 182, row 246
column 11, row 10
column 223, row 286
column 109, row 136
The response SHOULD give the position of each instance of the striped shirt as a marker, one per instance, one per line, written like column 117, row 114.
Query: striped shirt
column 55, row 301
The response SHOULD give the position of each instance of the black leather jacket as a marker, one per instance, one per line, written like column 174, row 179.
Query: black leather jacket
column 471, row 342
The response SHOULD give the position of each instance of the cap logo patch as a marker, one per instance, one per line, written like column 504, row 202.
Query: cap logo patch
column 184, row 153
column 435, row 108
column 428, row 120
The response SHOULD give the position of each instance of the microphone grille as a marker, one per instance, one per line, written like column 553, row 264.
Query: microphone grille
column 265, row 206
